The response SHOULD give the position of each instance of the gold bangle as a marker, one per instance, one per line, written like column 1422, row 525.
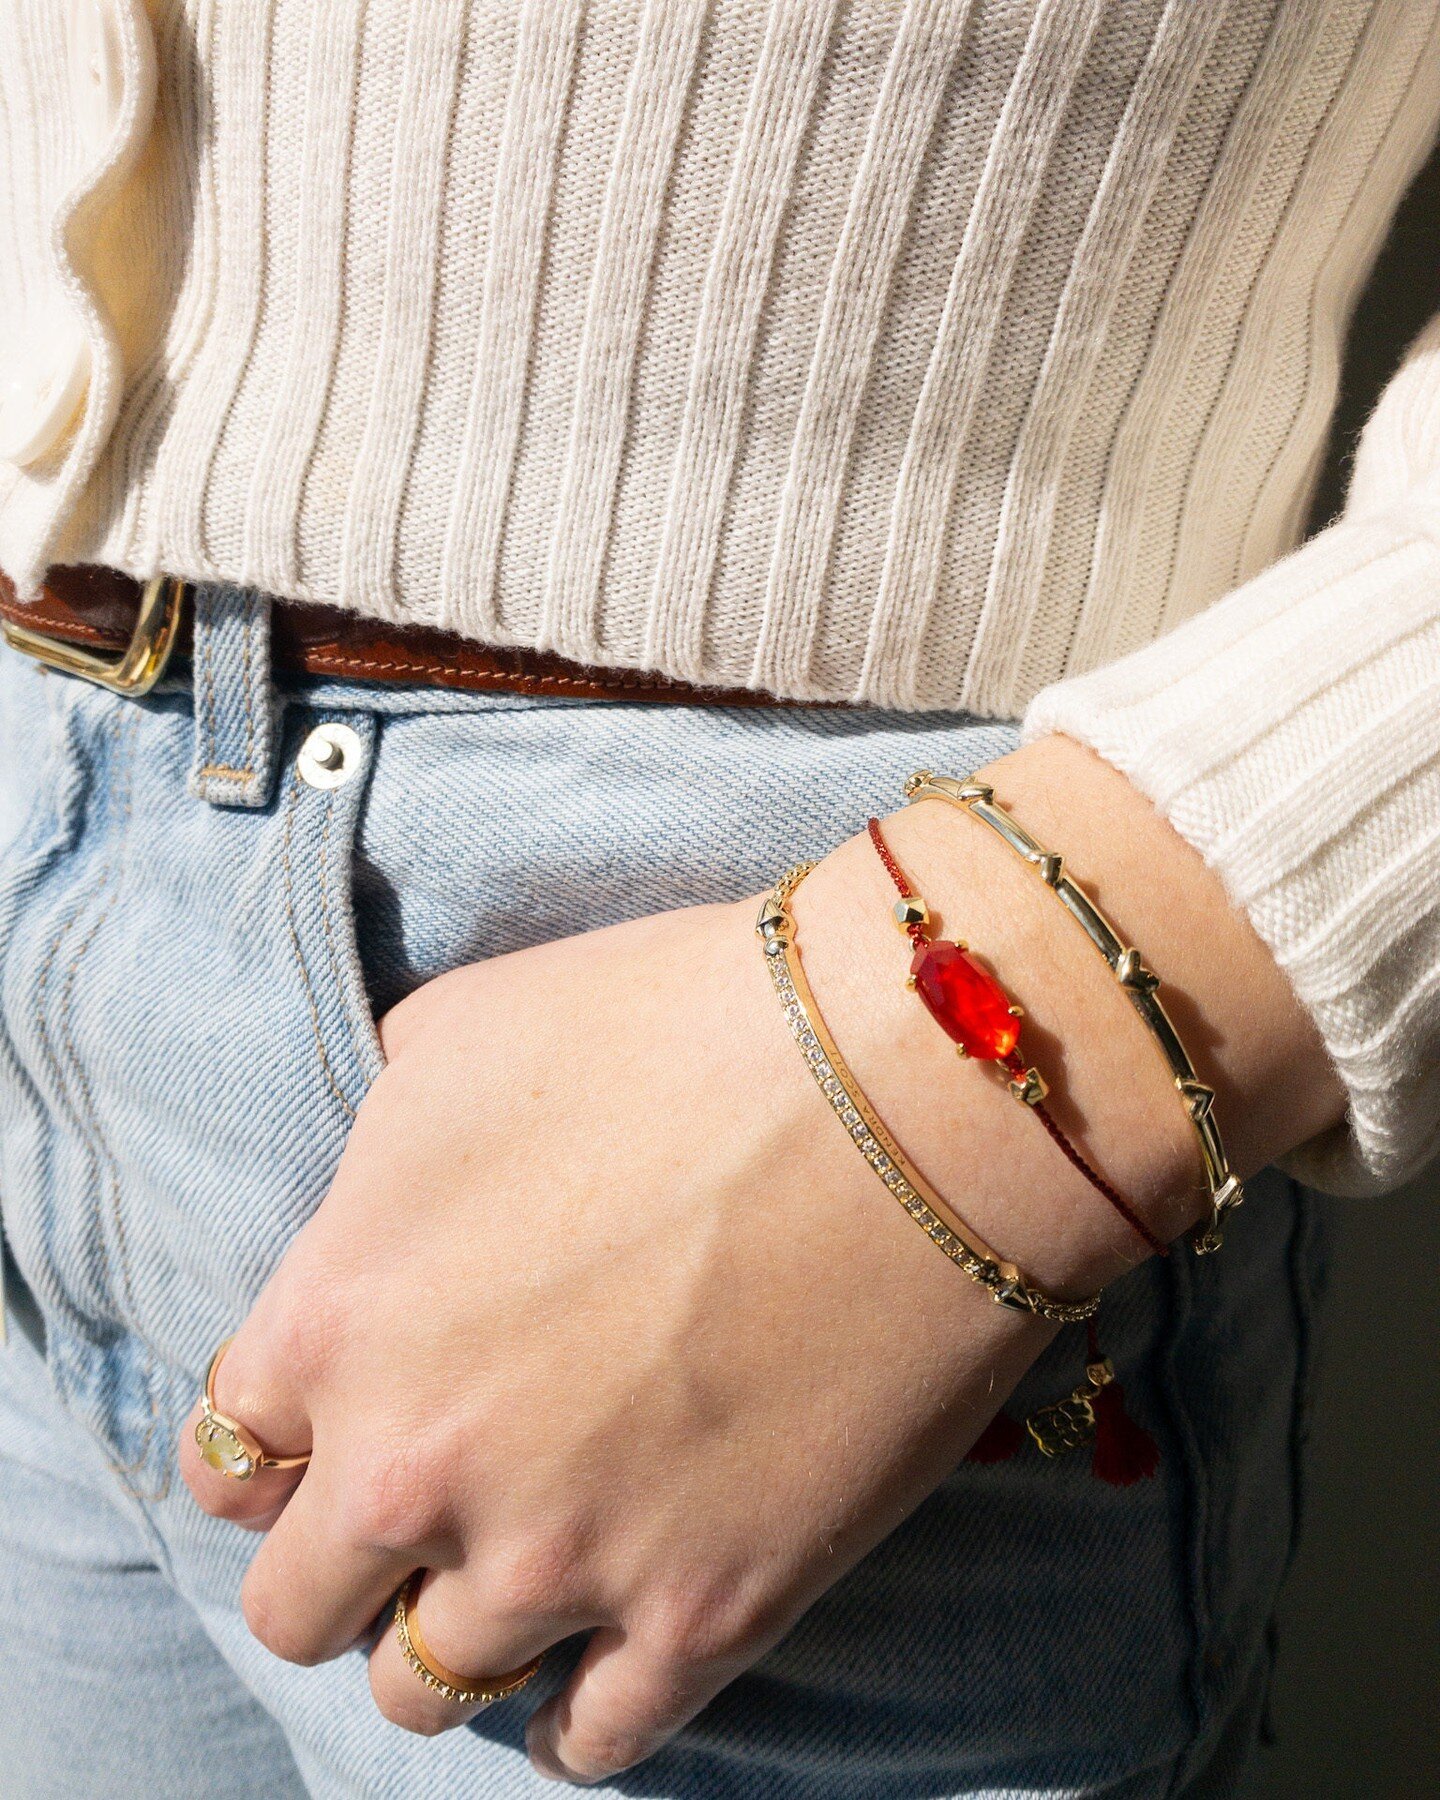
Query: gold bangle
column 944, row 1227
column 1140, row 983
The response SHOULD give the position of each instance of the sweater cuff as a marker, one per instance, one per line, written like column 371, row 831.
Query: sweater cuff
column 1291, row 733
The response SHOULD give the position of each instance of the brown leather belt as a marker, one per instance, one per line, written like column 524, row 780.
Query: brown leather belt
column 97, row 610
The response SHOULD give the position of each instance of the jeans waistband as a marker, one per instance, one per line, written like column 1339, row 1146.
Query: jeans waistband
column 107, row 625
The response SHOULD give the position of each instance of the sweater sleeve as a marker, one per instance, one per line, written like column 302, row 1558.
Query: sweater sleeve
column 1291, row 733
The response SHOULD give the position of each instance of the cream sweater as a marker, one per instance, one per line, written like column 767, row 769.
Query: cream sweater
column 926, row 353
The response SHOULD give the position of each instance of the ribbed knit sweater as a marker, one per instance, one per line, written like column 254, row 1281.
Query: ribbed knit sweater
column 919, row 353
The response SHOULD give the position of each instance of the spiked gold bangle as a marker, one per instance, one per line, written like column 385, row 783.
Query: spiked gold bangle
column 1140, row 984
column 1004, row 1282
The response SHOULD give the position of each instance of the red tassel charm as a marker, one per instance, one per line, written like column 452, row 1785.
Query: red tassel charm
column 1124, row 1451
column 998, row 1442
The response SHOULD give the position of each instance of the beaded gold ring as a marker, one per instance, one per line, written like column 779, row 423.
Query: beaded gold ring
column 463, row 1690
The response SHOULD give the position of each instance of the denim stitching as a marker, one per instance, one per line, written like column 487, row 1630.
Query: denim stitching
column 48, row 1053
column 52, row 1064
column 327, row 885
column 10, row 1052
column 67, row 1039
column 245, row 682
column 202, row 647
column 48, row 1058
column 124, row 1470
column 101, row 1152
column 295, row 951
column 85, row 1118
column 211, row 768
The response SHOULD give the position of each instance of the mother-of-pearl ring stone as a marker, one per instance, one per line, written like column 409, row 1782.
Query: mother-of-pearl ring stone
column 224, row 1443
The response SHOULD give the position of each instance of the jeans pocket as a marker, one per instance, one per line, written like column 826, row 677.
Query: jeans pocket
column 249, row 1061
column 229, row 1078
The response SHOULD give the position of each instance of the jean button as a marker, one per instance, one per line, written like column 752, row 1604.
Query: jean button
column 329, row 756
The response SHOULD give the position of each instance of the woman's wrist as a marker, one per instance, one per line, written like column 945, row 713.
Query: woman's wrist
column 1231, row 1001
column 1110, row 1089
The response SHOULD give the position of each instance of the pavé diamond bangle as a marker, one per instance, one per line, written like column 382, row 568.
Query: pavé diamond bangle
column 1005, row 1283
column 1140, row 984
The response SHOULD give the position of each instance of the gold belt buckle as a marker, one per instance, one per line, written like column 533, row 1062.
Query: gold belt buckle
column 143, row 662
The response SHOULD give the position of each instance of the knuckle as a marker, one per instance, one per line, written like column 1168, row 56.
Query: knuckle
column 696, row 1625
column 263, row 1354
column 598, row 1754
column 409, row 1711
column 711, row 1622
column 281, row 1633
column 531, row 1576
column 287, row 1345
column 309, row 1320
column 395, row 1503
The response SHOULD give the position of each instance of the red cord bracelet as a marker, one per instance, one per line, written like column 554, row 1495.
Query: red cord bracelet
column 972, row 1008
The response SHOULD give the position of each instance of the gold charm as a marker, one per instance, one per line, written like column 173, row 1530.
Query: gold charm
column 911, row 911
column 1070, row 1423
column 1028, row 1087
column 1131, row 972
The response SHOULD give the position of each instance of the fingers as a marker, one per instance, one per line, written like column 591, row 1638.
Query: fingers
column 253, row 1386
column 331, row 1563
column 460, row 1633
column 254, row 1503
column 625, row 1698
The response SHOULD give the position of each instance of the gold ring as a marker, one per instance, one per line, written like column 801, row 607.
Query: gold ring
column 224, row 1443
column 465, row 1690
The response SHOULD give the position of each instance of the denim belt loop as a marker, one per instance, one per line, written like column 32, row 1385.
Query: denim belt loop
column 235, row 703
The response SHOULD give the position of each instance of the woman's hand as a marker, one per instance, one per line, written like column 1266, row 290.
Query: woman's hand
column 605, row 1322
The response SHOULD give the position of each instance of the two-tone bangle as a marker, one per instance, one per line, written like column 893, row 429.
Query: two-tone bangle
column 936, row 1218
column 1140, row 983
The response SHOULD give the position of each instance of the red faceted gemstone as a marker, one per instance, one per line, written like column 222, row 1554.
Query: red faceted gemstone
column 969, row 1005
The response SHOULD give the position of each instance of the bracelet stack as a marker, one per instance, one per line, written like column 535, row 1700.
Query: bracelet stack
column 936, row 1218
column 973, row 1009
column 1139, row 983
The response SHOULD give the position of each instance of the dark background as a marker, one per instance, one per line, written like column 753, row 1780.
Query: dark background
column 1357, row 1693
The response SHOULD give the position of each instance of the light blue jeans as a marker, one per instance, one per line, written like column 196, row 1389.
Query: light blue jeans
column 194, row 944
